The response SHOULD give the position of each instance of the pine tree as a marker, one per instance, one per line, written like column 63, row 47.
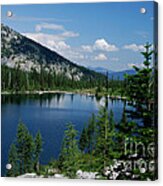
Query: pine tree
column 112, row 138
column 25, row 152
column 13, row 160
column 139, row 88
column 107, row 82
column 102, row 130
column 17, row 77
column 91, row 133
column 83, row 141
column 29, row 154
column 25, row 148
column 125, row 130
column 70, row 152
column 38, row 150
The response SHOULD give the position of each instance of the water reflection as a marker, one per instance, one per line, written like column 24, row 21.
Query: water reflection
column 50, row 113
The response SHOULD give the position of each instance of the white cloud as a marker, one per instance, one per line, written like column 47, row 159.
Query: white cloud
column 53, row 42
column 87, row 48
column 57, row 41
column 74, row 55
column 58, row 44
column 42, row 37
column 134, row 47
column 100, row 57
column 102, row 44
column 68, row 34
column 48, row 26
column 63, row 46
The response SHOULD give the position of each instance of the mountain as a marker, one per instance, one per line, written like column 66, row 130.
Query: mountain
column 120, row 75
column 101, row 70
column 17, row 49
column 115, row 75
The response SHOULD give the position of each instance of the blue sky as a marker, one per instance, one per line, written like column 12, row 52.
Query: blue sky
column 109, row 35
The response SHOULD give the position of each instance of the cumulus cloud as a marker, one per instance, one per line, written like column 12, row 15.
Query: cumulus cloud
column 42, row 38
column 102, row 44
column 56, row 42
column 87, row 48
column 100, row 57
column 53, row 42
column 48, row 26
column 63, row 46
column 134, row 47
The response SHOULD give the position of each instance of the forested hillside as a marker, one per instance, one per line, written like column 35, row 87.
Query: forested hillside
column 27, row 65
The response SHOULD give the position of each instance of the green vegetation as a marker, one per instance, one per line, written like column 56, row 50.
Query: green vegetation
column 25, row 152
column 69, row 155
column 15, row 80
column 140, row 88
column 102, row 141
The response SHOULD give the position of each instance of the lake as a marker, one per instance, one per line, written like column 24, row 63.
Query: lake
column 49, row 113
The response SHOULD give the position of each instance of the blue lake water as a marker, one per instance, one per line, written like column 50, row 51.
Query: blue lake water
column 48, row 113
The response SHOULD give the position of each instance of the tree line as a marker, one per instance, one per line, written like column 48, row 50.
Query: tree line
column 15, row 79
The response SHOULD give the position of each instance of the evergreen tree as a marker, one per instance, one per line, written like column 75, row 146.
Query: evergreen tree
column 38, row 150
column 13, row 160
column 91, row 133
column 87, row 137
column 106, row 139
column 24, row 154
column 112, row 138
column 139, row 88
column 25, row 148
column 102, row 130
column 83, row 141
column 70, row 152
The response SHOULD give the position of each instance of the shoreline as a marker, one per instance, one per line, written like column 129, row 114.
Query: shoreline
column 39, row 92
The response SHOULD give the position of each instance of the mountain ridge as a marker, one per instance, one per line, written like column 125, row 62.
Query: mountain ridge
column 113, row 74
column 19, row 50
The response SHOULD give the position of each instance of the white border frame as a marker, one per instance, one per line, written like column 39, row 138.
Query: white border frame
column 42, row 182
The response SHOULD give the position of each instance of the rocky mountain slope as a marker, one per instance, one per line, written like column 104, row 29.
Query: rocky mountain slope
column 16, row 50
